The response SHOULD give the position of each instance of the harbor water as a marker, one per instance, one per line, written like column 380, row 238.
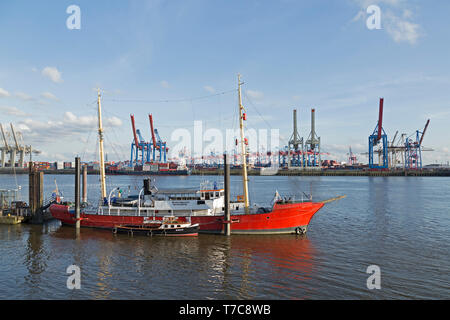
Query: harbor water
column 400, row 224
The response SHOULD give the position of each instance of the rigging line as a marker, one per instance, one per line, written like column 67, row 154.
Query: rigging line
column 256, row 109
column 87, row 105
column 141, row 122
column 111, row 128
column 170, row 100
column 181, row 123
column 192, row 110
column 117, row 139
column 87, row 142
column 220, row 111
column 112, row 145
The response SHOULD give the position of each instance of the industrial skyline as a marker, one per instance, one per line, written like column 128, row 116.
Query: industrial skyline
column 163, row 60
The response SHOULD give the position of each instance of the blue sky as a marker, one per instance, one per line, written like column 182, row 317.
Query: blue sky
column 303, row 54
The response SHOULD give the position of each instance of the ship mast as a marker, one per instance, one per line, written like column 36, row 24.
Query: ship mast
column 100, row 136
column 243, row 148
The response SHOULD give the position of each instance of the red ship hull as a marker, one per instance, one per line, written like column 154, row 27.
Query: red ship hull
column 284, row 218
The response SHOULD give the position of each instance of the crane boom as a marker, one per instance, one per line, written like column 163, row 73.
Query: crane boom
column 424, row 130
column 14, row 135
column 138, row 145
column 393, row 140
column 153, row 131
column 380, row 119
column 4, row 137
column 141, row 139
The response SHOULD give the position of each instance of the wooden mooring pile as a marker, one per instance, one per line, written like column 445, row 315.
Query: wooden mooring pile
column 15, row 211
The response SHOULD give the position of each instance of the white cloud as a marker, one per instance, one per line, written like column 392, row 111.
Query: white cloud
column 60, row 157
column 438, row 115
column 114, row 122
column 395, row 19
column 392, row 3
column 83, row 121
column 23, row 96
column 209, row 89
column 53, row 74
column 255, row 94
column 4, row 93
column 70, row 117
column 440, row 155
column 164, row 84
column 74, row 134
column 49, row 96
column 12, row 111
column 407, row 14
column 89, row 121
column 359, row 16
column 23, row 127
column 68, row 126
column 400, row 29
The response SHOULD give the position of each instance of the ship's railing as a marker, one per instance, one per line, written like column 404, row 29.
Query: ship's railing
column 295, row 198
column 7, row 197
column 207, row 185
column 109, row 203
column 128, row 211
column 148, row 212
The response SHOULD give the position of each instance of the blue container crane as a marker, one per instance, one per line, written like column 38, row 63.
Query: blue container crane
column 413, row 149
column 375, row 138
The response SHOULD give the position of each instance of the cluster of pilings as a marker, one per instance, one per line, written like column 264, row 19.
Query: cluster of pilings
column 36, row 194
column 37, row 209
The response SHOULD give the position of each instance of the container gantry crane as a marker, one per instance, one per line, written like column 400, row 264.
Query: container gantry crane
column 140, row 149
column 157, row 144
column 296, row 147
column 16, row 147
column 312, row 145
column 379, row 138
column 351, row 157
column 413, row 149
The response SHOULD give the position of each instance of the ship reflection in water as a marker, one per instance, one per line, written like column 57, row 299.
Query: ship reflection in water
column 399, row 224
column 269, row 264
column 208, row 266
